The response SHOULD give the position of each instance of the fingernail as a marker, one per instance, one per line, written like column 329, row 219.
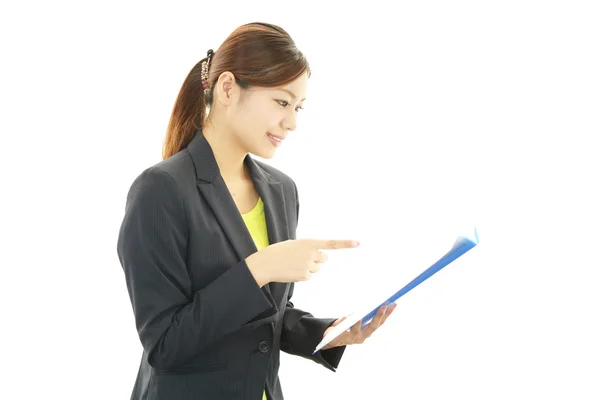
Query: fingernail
column 355, row 243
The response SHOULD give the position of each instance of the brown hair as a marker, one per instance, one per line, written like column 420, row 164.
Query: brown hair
column 257, row 54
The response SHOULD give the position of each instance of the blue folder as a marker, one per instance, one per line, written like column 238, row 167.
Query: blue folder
column 460, row 247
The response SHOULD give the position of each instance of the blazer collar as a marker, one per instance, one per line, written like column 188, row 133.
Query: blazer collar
column 206, row 166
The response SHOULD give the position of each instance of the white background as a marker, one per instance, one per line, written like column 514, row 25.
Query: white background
column 420, row 117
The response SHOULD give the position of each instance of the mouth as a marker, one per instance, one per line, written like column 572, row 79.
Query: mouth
column 275, row 140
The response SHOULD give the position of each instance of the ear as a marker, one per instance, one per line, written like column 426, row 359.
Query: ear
column 226, row 89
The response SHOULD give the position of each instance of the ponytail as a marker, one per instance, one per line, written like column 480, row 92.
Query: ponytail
column 188, row 113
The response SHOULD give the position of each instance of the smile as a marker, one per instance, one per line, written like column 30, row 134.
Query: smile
column 275, row 141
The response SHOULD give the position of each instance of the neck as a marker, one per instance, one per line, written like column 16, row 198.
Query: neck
column 228, row 153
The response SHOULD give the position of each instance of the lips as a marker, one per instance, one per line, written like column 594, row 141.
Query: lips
column 275, row 136
column 275, row 140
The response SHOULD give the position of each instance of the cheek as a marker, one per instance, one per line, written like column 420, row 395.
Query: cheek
column 271, row 119
column 250, row 126
column 263, row 120
column 258, row 120
column 244, row 121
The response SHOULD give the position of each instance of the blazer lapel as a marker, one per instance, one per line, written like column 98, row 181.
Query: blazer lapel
column 215, row 191
column 271, row 191
column 212, row 186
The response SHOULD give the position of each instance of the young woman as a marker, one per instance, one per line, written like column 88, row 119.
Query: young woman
column 208, row 241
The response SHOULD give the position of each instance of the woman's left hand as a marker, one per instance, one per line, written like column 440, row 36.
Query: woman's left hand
column 355, row 335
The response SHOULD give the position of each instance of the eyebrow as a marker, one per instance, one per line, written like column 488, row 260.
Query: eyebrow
column 291, row 93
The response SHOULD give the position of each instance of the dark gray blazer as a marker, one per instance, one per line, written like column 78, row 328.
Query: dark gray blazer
column 207, row 329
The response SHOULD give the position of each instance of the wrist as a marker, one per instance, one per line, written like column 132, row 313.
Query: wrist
column 256, row 271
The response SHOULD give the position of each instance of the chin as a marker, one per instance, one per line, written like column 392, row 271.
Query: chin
column 267, row 155
column 266, row 152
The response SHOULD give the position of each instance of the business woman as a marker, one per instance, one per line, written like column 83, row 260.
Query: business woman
column 208, row 241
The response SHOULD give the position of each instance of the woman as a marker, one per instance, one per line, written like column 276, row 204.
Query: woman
column 208, row 241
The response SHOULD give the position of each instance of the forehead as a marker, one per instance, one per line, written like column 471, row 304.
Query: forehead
column 296, row 89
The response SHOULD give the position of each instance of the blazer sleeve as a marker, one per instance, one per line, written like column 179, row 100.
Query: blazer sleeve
column 302, row 332
column 175, row 324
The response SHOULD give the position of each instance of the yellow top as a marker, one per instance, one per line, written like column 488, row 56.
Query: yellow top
column 257, row 226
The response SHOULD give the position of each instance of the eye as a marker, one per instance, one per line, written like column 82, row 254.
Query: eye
column 284, row 104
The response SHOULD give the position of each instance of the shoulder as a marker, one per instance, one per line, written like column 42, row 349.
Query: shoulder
column 165, row 178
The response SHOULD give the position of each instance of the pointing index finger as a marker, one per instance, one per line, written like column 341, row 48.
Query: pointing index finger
column 335, row 244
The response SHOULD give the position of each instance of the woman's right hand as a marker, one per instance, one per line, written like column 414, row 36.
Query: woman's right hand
column 292, row 260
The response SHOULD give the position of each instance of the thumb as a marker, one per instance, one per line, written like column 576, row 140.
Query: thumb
column 339, row 321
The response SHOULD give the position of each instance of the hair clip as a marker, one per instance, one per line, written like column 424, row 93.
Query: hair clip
column 205, row 66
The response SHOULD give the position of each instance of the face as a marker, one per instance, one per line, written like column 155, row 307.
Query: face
column 261, row 118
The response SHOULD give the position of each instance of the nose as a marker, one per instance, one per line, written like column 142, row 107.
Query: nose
column 289, row 122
